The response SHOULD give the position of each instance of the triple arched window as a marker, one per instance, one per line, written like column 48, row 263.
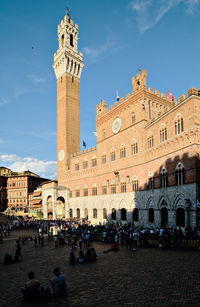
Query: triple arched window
column 179, row 124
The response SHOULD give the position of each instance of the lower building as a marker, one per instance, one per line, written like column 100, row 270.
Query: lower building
column 3, row 193
column 19, row 186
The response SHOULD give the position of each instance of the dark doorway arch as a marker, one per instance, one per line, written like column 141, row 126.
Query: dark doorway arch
column 151, row 215
column 78, row 213
column 180, row 217
column 104, row 213
column 164, row 216
column 123, row 214
column 49, row 207
column 60, row 207
column 113, row 215
column 70, row 213
column 86, row 213
column 135, row 215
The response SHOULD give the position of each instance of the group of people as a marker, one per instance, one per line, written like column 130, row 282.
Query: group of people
column 8, row 259
column 33, row 290
column 88, row 256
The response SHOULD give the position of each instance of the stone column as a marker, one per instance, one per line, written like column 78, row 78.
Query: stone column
column 157, row 218
column 100, row 215
column 118, row 215
column 129, row 217
column 172, row 218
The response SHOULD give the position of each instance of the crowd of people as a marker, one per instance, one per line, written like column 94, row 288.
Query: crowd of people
column 78, row 235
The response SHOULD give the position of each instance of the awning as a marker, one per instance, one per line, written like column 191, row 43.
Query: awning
column 36, row 202
column 37, row 193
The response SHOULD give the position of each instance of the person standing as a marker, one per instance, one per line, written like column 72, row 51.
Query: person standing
column 35, row 240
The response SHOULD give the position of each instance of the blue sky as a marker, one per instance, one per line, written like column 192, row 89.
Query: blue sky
column 116, row 38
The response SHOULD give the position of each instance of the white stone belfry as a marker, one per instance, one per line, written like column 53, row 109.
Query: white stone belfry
column 67, row 59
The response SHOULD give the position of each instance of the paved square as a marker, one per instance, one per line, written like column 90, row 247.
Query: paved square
column 148, row 277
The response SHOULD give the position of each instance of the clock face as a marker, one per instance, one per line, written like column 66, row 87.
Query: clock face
column 61, row 155
column 116, row 125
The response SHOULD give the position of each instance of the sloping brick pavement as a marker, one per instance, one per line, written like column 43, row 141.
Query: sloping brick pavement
column 148, row 277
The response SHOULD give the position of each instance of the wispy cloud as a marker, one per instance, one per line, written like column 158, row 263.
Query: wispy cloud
column 150, row 12
column 192, row 6
column 20, row 92
column 36, row 79
column 109, row 46
column 3, row 101
column 46, row 169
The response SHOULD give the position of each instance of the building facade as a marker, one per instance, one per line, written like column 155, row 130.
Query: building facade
column 145, row 166
column 19, row 186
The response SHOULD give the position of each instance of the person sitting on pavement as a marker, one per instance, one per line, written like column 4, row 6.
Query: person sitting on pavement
column 58, row 283
column 88, row 255
column 81, row 257
column 72, row 258
column 114, row 247
column 32, row 288
column 8, row 259
column 93, row 254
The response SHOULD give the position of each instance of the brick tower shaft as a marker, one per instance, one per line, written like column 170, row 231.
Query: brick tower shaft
column 68, row 66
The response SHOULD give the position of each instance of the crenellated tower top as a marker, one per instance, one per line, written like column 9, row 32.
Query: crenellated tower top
column 67, row 59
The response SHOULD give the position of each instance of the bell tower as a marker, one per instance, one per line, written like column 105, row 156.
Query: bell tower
column 68, row 64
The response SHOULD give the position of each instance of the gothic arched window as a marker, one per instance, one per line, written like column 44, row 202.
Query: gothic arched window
column 71, row 40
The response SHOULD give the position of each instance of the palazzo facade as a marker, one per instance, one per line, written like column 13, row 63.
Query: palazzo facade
column 144, row 168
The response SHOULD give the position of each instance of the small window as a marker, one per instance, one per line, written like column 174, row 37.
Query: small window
column 180, row 174
column 77, row 166
column 179, row 126
column 70, row 194
column 112, row 156
column 94, row 162
column 94, row 191
column 151, row 183
column 123, row 152
column 113, row 189
column 62, row 40
column 150, row 142
column 77, row 193
column 133, row 118
column 85, row 192
column 104, row 159
column 123, row 187
column 134, row 148
column 163, row 135
column 85, row 164
column 104, row 190
column 71, row 40
column 135, row 185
